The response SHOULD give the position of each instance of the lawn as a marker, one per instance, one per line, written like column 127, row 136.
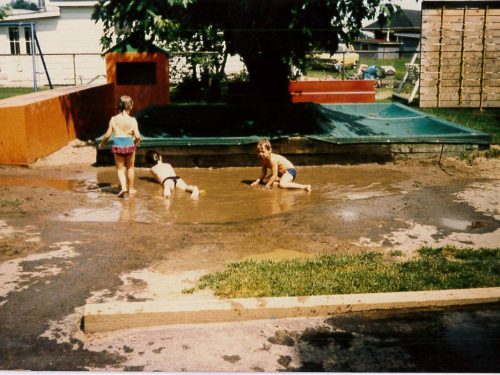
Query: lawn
column 7, row 92
column 486, row 120
column 433, row 269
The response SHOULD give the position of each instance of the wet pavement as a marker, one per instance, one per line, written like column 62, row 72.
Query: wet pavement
column 66, row 240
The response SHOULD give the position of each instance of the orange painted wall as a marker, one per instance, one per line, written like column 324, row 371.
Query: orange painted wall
column 142, row 95
column 352, row 91
column 38, row 124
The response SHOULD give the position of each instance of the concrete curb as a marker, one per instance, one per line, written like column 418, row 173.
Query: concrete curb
column 123, row 315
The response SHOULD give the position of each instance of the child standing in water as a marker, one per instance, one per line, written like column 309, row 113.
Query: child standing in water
column 165, row 175
column 282, row 169
column 126, row 138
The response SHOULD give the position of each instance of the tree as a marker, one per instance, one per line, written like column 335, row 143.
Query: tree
column 3, row 11
column 23, row 4
column 271, row 36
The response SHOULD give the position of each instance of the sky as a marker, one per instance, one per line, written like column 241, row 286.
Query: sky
column 409, row 4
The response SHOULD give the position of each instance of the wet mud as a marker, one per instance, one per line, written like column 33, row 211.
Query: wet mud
column 67, row 240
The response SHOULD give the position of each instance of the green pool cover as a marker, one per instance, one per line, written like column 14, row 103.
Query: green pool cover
column 216, row 125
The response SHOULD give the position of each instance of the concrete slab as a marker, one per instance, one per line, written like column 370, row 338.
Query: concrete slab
column 123, row 315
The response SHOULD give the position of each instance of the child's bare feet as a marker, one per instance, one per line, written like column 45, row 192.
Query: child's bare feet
column 121, row 194
column 132, row 191
column 308, row 188
column 195, row 193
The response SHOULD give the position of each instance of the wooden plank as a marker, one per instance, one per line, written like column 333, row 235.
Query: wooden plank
column 472, row 65
column 339, row 97
column 430, row 92
column 450, row 47
column 447, row 104
column 452, row 26
column 118, row 315
column 469, row 83
column 427, row 56
column 425, row 103
column 331, row 86
column 458, row 12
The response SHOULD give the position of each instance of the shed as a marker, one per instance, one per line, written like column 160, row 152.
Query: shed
column 460, row 54
column 140, row 74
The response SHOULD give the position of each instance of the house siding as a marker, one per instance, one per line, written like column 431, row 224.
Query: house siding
column 70, row 46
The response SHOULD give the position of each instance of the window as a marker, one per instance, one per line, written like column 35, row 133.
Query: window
column 27, row 38
column 14, row 41
column 137, row 73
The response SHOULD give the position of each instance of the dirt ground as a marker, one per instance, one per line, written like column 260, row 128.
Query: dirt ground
column 67, row 240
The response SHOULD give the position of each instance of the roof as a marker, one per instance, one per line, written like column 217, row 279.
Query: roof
column 408, row 35
column 73, row 3
column 378, row 42
column 126, row 46
column 404, row 19
column 27, row 17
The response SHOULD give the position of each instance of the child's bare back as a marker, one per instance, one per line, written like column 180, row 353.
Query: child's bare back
column 165, row 175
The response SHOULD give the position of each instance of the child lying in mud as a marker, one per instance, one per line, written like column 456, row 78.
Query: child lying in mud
column 283, row 171
column 165, row 175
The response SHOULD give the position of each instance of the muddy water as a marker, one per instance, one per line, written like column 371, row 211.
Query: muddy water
column 227, row 197
column 54, row 183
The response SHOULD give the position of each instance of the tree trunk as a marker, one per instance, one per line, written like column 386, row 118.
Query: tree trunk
column 268, row 77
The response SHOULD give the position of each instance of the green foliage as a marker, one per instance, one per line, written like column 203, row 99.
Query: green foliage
column 16, row 203
column 3, row 13
column 396, row 253
column 492, row 153
column 7, row 92
column 23, row 4
column 485, row 120
column 441, row 268
column 270, row 36
column 470, row 156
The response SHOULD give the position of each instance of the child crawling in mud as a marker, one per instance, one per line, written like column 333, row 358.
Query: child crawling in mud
column 165, row 175
column 283, row 171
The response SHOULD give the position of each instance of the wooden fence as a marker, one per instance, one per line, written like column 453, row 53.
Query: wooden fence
column 460, row 54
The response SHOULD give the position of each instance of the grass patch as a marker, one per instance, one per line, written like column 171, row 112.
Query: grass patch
column 15, row 203
column 486, row 120
column 7, row 92
column 470, row 156
column 433, row 269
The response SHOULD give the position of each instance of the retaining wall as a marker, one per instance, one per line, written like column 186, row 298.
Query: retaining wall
column 35, row 125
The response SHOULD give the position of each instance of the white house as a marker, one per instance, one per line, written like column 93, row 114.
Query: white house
column 70, row 43
column 68, row 39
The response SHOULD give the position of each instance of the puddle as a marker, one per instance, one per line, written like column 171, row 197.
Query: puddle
column 456, row 223
column 226, row 194
column 58, row 184
column 119, row 211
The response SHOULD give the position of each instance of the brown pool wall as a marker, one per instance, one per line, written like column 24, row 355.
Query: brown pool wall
column 35, row 125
